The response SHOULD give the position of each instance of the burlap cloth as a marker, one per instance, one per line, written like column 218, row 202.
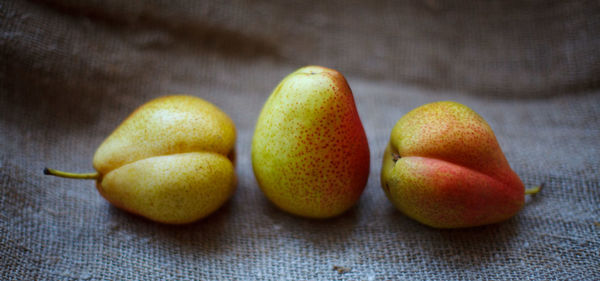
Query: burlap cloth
column 73, row 70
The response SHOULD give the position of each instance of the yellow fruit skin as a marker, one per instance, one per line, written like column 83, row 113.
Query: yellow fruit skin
column 170, row 161
column 309, row 152
column 443, row 167
column 178, row 188
column 167, row 125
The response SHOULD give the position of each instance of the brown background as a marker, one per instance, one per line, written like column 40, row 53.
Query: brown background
column 73, row 70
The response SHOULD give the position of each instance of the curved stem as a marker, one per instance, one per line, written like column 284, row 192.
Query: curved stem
column 57, row 173
column 534, row 189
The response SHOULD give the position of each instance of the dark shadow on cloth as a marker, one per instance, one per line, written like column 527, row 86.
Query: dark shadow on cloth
column 201, row 237
column 323, row 234
column 475, row 245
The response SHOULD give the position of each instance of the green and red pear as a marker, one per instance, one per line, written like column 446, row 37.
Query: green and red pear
column 309, row 151
column 444, row 167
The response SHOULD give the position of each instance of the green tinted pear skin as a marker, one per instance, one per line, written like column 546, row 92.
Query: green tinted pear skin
column 170, row 161
column 309, row 151
column 444, row 168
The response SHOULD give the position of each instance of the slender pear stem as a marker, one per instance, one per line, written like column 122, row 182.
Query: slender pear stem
column 534, row 189
column 57, row 173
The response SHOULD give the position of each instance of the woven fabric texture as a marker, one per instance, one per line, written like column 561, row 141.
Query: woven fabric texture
column 71, row 71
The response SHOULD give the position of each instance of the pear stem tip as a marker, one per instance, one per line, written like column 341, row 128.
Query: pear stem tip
column 57, row 173
column 534, row 190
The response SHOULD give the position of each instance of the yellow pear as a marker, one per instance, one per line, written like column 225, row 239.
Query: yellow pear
column 309, row 151
column 169, row 161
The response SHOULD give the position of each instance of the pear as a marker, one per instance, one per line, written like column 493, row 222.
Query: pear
column 309, row 151
column 444, row 168
column 170, row 161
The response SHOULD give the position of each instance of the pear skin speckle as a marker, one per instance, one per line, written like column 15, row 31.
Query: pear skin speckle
column 167, row 125
column 178, row 188
column 309, row 152
column 450, row 172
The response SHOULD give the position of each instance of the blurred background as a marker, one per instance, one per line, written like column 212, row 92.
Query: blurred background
column 71, row 71
column 498, row 48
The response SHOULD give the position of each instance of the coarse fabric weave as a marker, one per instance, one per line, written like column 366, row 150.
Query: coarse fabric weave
column 71, row 71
